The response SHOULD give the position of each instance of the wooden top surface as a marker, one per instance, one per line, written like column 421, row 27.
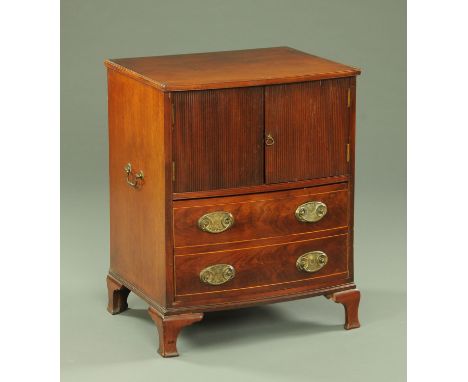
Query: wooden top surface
column 237, row 68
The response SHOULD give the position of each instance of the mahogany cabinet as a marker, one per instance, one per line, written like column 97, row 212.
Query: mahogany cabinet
column 231, row 183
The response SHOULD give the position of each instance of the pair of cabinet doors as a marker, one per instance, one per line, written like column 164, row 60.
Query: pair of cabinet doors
column 259, row 135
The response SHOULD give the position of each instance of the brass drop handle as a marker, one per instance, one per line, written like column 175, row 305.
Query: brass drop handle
column 133, row 180
column 311, row 262
column 311, row 212
column 217, row 274
column 269, row 140
column 216, row 222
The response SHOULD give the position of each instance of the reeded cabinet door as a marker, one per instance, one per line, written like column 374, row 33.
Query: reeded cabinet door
column 218, row 139
column 309, row 128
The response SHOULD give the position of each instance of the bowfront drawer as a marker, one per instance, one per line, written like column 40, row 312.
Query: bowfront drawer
column 284, row 265
column 250, row 217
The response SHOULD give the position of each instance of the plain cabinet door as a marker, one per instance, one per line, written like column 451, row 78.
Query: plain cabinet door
column 218, row 139
column 306, row 130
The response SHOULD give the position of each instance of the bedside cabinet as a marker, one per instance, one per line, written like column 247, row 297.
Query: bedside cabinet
column 231, row 183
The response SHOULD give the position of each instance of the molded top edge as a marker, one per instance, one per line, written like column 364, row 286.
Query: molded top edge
column 229, row 69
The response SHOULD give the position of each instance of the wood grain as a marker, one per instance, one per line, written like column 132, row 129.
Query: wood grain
column 260, row 215
column 206, row 117
column 218, row 139
column 236, row 299
column 258, row 266
column 239, row 68
column 138, row 217
column 217, row 247
column 352, row 176
column 310, row 125
column 260, row 188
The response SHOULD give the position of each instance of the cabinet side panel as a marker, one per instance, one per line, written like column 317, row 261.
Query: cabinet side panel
column 352, row 161
column 138, row 218
column 218, row 139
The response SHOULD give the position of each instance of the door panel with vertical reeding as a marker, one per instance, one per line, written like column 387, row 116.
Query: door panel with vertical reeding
column 309, row 128
column 218, row 139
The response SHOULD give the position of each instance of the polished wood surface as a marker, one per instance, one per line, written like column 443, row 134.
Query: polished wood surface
column 260, row 188
column 260, row 215
column 218, row 139
column 352, row 161
column 138, row 220
column 259, row 266
column 223, row 301
column 215, row 70
column 310, row 125
column 196, row 126
column 169, row 328
column 350, row 300
column 272, row 240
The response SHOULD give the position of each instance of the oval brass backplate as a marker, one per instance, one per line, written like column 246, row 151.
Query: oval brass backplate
column 311, row 261
column 311, row 212
column 216, row 222
column 217, row 274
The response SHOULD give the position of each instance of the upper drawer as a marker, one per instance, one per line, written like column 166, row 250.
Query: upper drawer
column 249, row 217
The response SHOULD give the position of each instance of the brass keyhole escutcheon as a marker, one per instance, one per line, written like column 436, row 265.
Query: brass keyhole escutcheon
column 269, row 140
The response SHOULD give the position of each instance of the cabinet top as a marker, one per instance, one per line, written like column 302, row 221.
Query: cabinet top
column 237, row 68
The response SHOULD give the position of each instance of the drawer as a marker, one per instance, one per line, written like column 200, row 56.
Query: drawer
column 286, row 265
column 250, row 217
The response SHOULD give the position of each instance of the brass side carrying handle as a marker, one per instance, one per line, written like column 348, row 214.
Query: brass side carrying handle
column 311, row 212
column 216, row 222
column 269, row 140
column 217, row 274
column 311, row 262
column 133, row 180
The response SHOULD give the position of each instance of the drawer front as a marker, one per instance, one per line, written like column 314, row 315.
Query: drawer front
column 313, row 261
column 250, row 217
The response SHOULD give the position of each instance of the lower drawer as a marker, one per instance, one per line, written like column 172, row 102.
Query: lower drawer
column 285, row 265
